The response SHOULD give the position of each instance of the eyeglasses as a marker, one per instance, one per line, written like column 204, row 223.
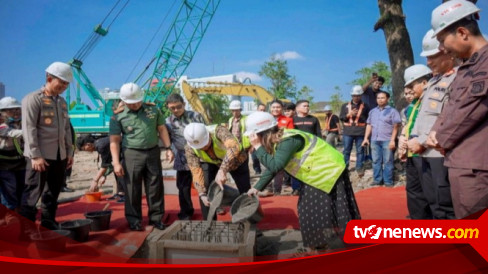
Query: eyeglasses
column 177, row 107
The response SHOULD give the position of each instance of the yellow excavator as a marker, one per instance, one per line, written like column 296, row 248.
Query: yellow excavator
column 224, row 88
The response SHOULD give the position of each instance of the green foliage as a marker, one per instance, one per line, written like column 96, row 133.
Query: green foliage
column 365, row 74
column 336, row 100
column 283, row 85
column 304, row 93
column 213, row 106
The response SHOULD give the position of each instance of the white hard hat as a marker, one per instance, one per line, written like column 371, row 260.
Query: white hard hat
column 415, row 72
column 259, row 121
column 60, row 70
column 235, row 105
column 9, row 103
column 131, row 93
column 430, row 45
column 196, row 135
column 450, row 12
column 357, row 90
column 327, row 108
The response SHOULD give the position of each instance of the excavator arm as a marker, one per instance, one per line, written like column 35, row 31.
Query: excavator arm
column 220, row 88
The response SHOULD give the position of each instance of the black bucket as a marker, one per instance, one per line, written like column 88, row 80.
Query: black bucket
column 101, row 219
column 222, row 198
column 79, row 229
column 50, row 242
column 246, row 208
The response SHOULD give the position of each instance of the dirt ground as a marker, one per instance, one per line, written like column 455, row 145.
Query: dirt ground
column 272, row 242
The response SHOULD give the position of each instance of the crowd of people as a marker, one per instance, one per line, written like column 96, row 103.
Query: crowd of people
column 438, row 135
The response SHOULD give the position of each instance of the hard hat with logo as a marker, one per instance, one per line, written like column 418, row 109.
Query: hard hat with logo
column 131, row 93
column 357, row 90
column 327, row 108
column 235, row 105
column 60, row 70
column 259, row 121
column 430, row 45
column 450, row 12
column 415, row 72
column 196, row 135
column 9, row 103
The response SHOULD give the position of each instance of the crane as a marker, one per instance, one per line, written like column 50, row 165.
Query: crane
column 178, row 48
column 170, row 62
column 83, row 117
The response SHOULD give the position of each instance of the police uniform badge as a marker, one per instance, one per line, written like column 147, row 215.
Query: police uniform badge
column 478, row 87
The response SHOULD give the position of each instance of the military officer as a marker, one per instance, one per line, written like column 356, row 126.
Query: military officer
column 138, row 126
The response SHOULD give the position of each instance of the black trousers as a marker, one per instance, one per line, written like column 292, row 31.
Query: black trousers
column 183, row 183
column 417, row 203
column 256, row 165
column 240, row 176
column 143, row 166
column 35, row 183
column 436, row 186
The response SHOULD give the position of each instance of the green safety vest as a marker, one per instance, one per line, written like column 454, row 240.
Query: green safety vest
column 218, row 148
column 318, row 164
column 245, row 139
column 19, row 151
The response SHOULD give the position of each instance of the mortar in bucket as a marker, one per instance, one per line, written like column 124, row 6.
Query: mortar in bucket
column 246, row 207
column 220, row 197
column 80, row 229
column 93, row 196
column 101, row 219
column 50, row 242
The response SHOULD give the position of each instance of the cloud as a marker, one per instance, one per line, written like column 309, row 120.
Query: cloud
column 289, row 55
column 241, row 75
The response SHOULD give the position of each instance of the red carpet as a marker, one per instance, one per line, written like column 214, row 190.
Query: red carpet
column 119, row 244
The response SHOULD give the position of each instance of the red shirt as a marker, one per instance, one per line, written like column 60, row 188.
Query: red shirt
column 285, row 122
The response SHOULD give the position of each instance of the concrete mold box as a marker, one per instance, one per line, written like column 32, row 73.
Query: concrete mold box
column 187, row 242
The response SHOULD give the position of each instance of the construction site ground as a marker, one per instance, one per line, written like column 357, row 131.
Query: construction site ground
column 374, row 202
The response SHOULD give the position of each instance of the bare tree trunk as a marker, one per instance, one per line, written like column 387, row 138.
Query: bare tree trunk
column 392, row 22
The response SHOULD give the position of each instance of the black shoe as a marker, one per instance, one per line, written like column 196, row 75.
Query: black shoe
column 115, row 196
column 67, row 189
column 376, row 184
column 158, row 225
column 136, row 227
column 184, row 217
column 389, row 185
column 121, row 200
column 50, row 224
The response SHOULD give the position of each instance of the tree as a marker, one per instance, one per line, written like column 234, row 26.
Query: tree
column 336, row 101
column 392, row 22
column 365, row 74
column 213, row 106
column 283, row 85
column 305, row 93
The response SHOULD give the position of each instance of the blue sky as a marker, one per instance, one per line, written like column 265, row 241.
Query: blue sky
column 324, row 42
